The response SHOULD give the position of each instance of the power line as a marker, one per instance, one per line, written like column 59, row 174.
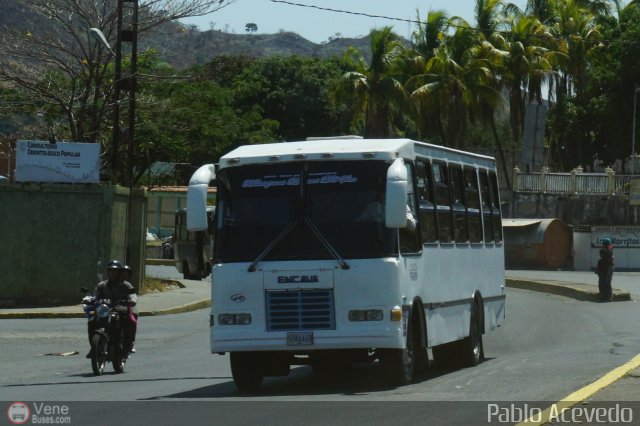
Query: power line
column 390, row 18
column 328, row 9
column 410, row 21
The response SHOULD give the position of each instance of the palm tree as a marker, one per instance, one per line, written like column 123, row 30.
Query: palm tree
column 578, row 38
column 543, row 10
column 374, row 88
column 442, row 88
column 525, row 63
column 428, row 35
column 578, row 34
column 487, row 91
column 427, row 38
column 488, row 17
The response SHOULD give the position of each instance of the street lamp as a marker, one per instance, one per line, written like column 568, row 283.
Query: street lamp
column 99, row 35
column 633, row 132
column 115, row 141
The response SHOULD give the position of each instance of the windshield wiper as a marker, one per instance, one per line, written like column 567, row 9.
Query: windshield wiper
column 273, row 243
column 326, row 244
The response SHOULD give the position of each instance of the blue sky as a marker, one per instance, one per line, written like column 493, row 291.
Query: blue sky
column 318, row 25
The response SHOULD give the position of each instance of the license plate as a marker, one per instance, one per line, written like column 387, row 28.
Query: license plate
column 298, row 338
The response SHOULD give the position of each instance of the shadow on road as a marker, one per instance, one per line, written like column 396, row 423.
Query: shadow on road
column 362, row 379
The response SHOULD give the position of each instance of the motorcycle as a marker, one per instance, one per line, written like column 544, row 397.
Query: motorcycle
column 107, row 337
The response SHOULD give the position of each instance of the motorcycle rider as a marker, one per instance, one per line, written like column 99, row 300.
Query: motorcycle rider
column 115, row 289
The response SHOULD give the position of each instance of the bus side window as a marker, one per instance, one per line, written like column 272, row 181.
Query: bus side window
column 426, row 202
column 443, row 202
column 472, row 202
column 496, row 215
column 486, row 206
column 461, row 234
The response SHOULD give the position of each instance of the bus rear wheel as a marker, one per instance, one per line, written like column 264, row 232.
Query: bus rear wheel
column 472, row 349
column 245, row 371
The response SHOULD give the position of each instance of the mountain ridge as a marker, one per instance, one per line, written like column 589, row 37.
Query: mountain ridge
column 183, row 46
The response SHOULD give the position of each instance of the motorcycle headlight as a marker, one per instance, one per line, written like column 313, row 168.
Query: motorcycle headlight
column 103, row 311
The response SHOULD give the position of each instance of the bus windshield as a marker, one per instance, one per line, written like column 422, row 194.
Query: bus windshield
column 343, row 200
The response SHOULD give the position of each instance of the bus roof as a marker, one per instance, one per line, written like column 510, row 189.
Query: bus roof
column 344, row 149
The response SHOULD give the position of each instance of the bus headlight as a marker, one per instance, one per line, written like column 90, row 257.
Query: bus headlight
column 234, row 319
column 366, row 315
column 243, row 319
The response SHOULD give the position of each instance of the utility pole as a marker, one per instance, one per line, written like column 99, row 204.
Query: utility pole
column 127, row 32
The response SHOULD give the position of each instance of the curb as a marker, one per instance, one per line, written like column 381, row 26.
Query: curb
column 41, row 315
column 584, row 292
column 161, row 262
column 194, row 306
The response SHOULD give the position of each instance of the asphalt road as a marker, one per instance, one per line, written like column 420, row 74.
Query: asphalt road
column 548, row 347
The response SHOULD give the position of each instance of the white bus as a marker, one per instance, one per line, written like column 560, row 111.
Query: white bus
column 332, row 252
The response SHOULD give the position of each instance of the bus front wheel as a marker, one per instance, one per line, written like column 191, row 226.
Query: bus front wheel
column 400, row 364
column 245, row 371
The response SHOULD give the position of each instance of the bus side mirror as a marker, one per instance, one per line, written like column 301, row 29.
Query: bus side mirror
column 197, row 198
column 396, row 197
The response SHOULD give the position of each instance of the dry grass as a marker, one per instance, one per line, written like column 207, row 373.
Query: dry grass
column 156, row 285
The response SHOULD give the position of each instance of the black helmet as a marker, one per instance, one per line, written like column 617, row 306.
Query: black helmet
column 127, row 268
column 114, row 264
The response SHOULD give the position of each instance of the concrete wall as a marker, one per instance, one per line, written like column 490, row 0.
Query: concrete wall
column 56, row 238
column 573, row 210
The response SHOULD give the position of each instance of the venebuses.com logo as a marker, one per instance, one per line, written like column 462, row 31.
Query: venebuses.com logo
column 18, row 413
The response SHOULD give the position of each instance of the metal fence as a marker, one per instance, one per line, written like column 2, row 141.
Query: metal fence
column 574, row 182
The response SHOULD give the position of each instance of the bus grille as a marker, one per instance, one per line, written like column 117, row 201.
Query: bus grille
column 300, row 310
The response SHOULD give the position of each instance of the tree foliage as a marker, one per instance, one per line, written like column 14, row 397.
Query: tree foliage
column 68, row 74
column 458, row 84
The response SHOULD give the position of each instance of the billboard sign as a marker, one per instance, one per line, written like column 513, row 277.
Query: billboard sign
column 66, row 162
column 620, row 236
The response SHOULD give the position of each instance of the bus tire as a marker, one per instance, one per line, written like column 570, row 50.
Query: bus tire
column 186, row 272
column 420, row 339
column 245, row 371
column 472, row 350
column 399, row 364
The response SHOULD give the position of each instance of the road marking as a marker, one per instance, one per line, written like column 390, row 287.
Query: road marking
column 586, row 392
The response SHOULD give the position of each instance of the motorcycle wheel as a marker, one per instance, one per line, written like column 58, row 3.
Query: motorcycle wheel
column 98, row 354
column 117, row 359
